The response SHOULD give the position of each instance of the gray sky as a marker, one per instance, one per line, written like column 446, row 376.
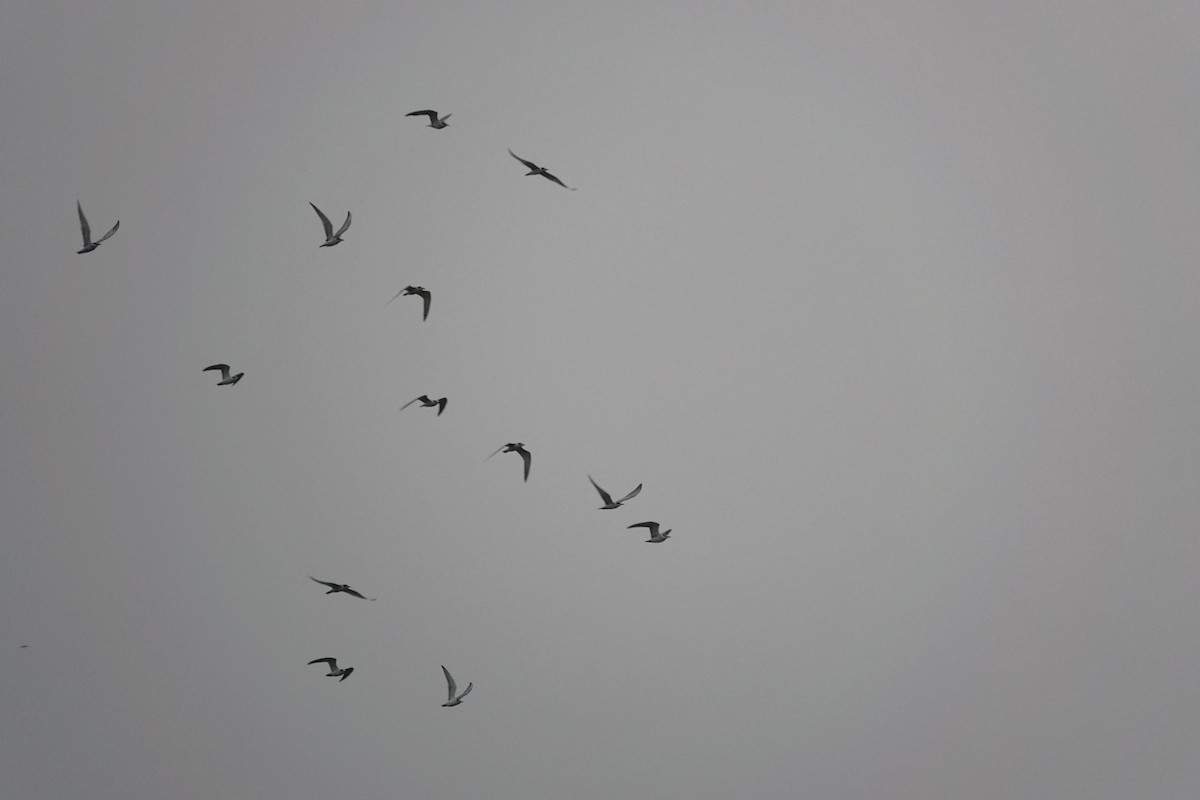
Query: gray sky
column 891, row 306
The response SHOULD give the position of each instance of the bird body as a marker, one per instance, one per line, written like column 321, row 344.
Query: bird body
column 534, row 169
column 418, row 290
column 655, row 536
column 609, row 503
column 434, row 120
column 334, row 670
column 88, row 244
column 451, row 700
column 427, row 403
column 331, row 238
column 340, row 587
column 226, row 378
column 517, row 447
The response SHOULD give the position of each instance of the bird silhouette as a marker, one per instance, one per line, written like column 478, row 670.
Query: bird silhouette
column 88, row 244
column 331, row 238
column 607, row 498
column 655, row 536
column 534, row 169
column 226, row 378
column 516, row 447
column 427, row 403
column 340, row 587
column 434, row 120
column 421, row 290
column 452, row 686
column 334, row 670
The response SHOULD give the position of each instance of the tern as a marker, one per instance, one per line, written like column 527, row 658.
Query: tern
column 331, row 238
column 607, row 498
column 434, row 120
column 421, row 290
column 427, row 403
column 516, row 447
column 655, row 536
column 341, row 587
column 534, row 169
column 334, row 670
column 452, row 686
column 226, row 378
column 88, row 244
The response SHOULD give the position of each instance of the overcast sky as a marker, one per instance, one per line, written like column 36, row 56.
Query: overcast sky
column 892, row 307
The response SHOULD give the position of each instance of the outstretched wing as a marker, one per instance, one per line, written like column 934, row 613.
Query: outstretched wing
column 427, row 112
column 410, row 402
column 450, row 683
column 83, row 225
column 332, row 662
column 345, row 225
column 527, row 458
column 326, row 583
column 631, row 495
column 348, row 590
column 528, row 164
column 556, row 180
column 441, row 406
column 498, row 449
column 224, row 375
column 653, row 526
column 389, row 302
column 466, row 692
column 324, row 221
column 346, row 674
column 605, row 496
column 110, row 232
column 428, row 298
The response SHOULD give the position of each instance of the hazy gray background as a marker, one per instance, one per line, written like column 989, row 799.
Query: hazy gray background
column 891, row 305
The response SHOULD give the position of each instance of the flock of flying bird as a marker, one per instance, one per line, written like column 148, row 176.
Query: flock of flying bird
column 332, row 238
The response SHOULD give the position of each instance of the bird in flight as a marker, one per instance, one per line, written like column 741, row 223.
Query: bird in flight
column 341, row 587
column 331, row 238
column 421, row 290
column 534, row 169
column 516, row 447
column 334, row 670
column 452, row 686
column 607, row 498
column 434, row 120
column 427, row 403
column 88, row 244
column 655, row 536
column 226, row 378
